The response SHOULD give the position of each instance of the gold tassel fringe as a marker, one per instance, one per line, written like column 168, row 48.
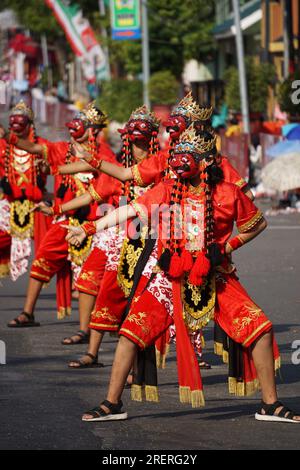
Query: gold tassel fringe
column 161, row 358
column 4, row 270
column 136, row 392
column 196, row 397
column 184, row 394
column 151, row 392
column 242, row 389
column 220, row 351
column 246, row 389
column 63, row 312
column 277, row 364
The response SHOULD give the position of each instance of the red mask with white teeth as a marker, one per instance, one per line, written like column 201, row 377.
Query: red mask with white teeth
column 184, row 165
column 175, row 126
column 76, row 128
column 139, row 130
column 18, row 124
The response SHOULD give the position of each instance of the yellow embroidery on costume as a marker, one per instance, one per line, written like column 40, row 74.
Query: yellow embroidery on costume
column 198, row 303
column 21, row 219
column 96, row 197
column 88, row 276
column 129, row 333
column 105, row 315
column 130, row 253
column 138, row 319
column 251, row 223
column 137, row 176
column 79, row 254
column 240, row 182
column 241, row 323
column 43, row 264
column 140, row 212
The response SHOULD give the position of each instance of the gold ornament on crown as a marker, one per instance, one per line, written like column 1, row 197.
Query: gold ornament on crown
column 93, row 115
column 22, row 109
column 189, row 108
column 144, row 114
column 189, row 141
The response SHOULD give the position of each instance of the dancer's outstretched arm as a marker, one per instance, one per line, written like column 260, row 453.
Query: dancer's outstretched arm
column 94, row 163
column 76, row 235
column 80, row 201
column 118, row 172
column 75, row 167
column 30, row 147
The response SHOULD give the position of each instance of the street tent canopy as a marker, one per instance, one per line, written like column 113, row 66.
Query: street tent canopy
column 250, row 15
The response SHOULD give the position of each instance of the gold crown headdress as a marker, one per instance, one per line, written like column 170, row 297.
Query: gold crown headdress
column 189, row 108
column 93, row 115
column 144, row 114
column 190, row 142
column 21, row 108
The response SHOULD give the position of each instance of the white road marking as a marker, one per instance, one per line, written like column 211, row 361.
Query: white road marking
column 284, row 227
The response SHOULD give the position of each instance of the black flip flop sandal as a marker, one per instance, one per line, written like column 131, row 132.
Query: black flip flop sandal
column 285, row 415
column 87, row 365
column 28, row 324
column 84, row 338
column 115, row 414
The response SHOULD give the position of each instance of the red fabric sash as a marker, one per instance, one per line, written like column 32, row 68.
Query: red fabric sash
column 63, row 292
column 189, row 376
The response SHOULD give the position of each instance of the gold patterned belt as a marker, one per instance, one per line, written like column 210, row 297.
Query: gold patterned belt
column 21, row 219
column 78, row 254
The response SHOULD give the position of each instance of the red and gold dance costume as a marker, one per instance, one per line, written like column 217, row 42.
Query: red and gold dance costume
column 123, row 253
column 188, row 286
column 104, row 190
column 23, row 184
column 55, row 253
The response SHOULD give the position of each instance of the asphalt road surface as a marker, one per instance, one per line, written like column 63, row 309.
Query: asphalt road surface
column 41, row 400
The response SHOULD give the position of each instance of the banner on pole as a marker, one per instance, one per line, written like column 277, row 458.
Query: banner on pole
column 82, row 39
column 125, row 19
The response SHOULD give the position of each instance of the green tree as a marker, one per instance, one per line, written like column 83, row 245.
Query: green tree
column 119, row 97
column 259, row 78
column 178, row 31
column 36, row 16
column 285, row 91
column 163, row 88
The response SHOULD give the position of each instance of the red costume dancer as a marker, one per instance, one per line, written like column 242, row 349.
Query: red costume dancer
column 190, row 278
column 147, row 172
column 139, row 140
column 23, row 185
column 54, row 252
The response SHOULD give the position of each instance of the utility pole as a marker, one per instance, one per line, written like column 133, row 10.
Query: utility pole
column 102, row 12
column 145, row 51
column 286, row 42
column 266, row 55
column 241, row 66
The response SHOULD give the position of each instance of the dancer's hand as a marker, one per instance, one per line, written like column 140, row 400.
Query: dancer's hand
column 43, row 207
column 76, row 235
column 79, row 152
